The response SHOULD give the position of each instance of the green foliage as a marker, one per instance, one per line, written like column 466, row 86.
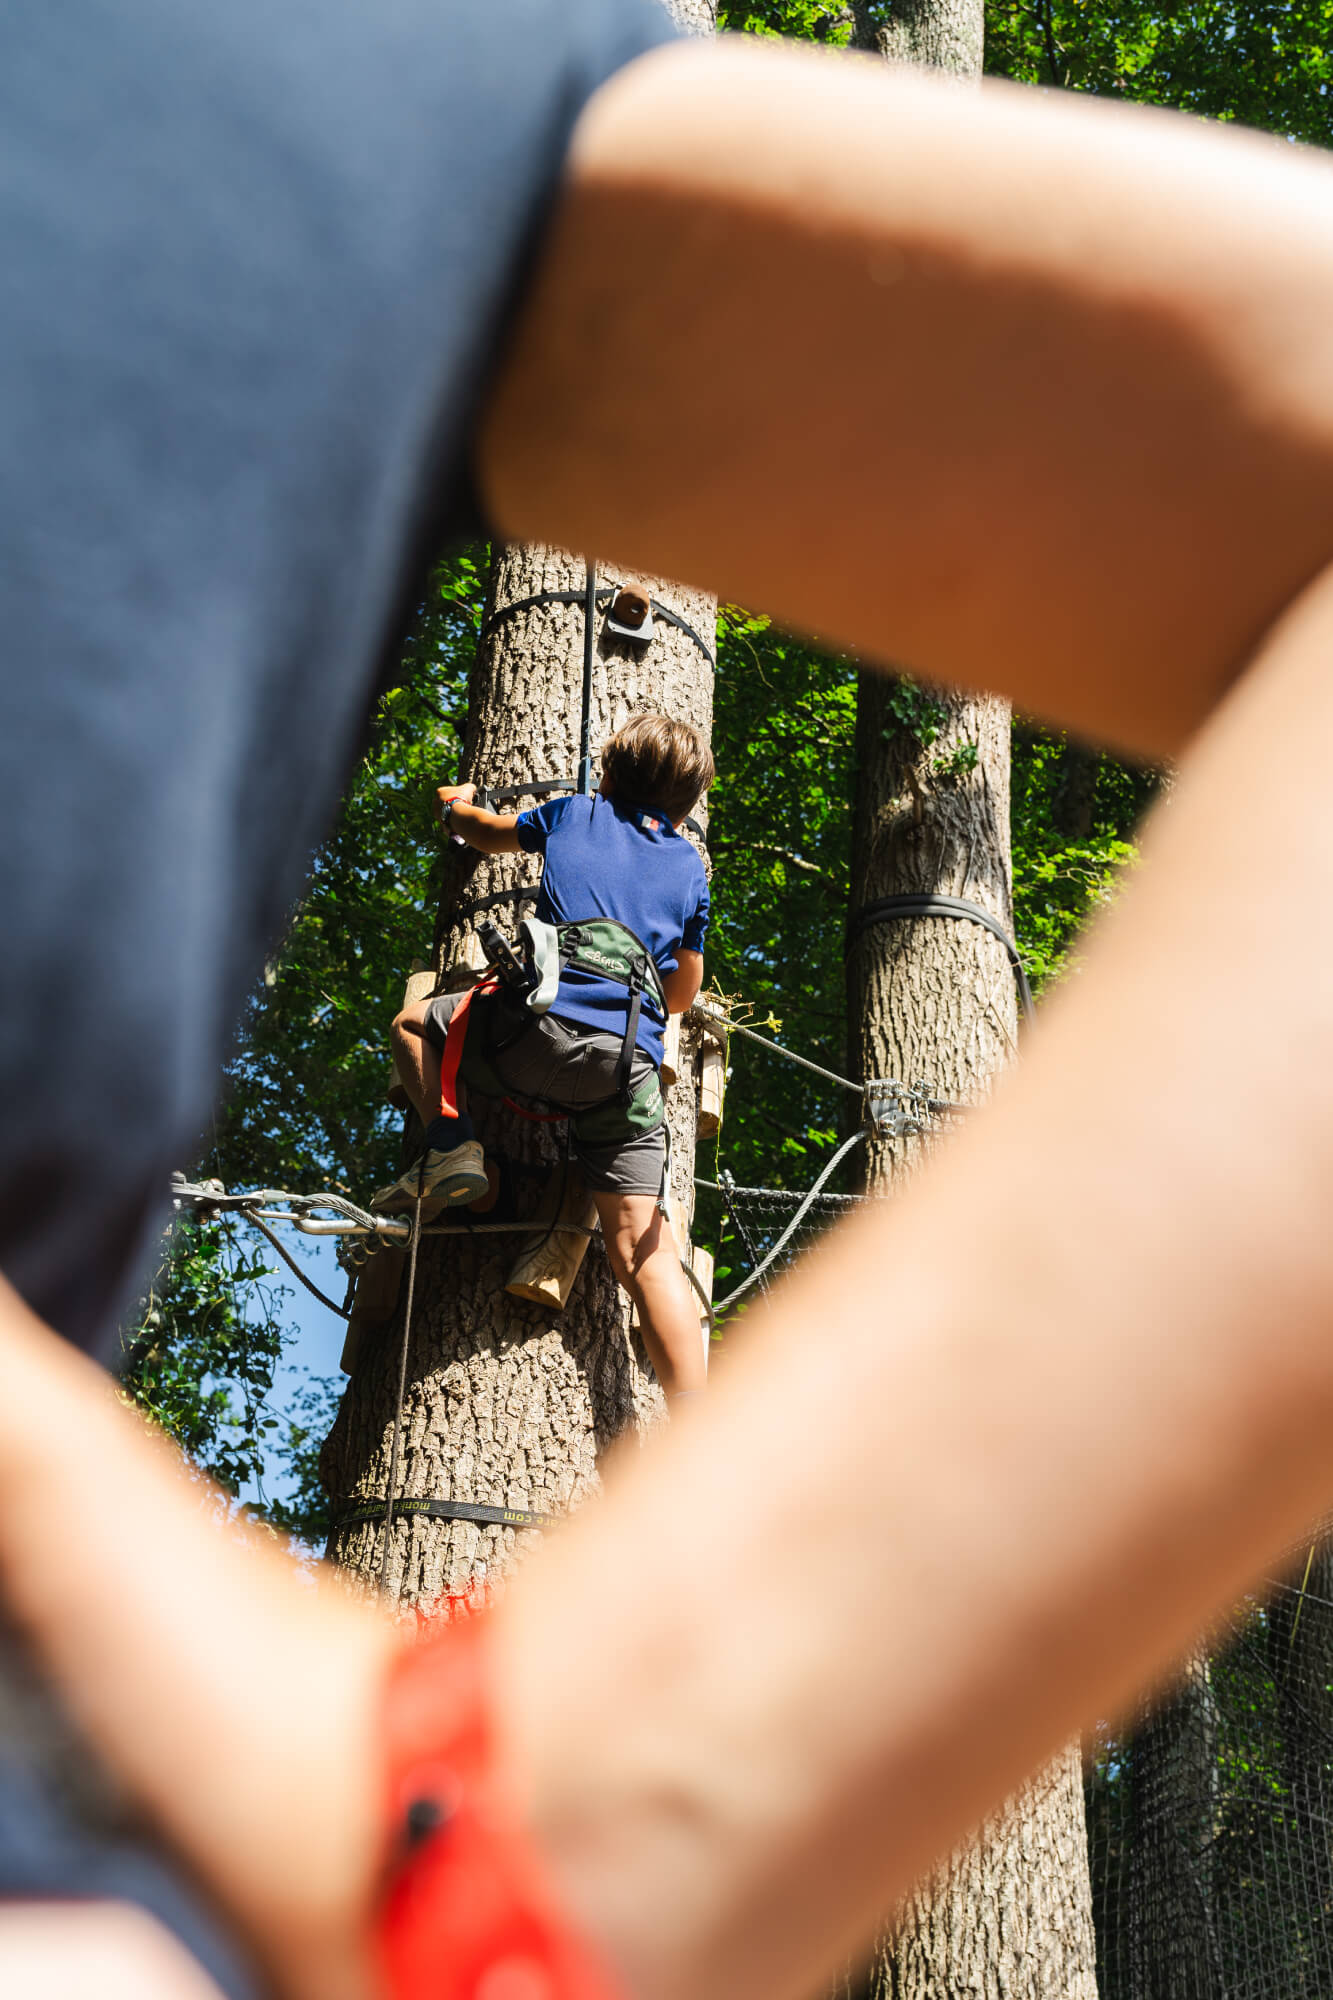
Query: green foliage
column 305, row 1093
column 780, row 833
column 796, row 20
column 1062, row 881
column 305, row 1104
column 196, row 1364
column 1268, row 64
column 916, row 711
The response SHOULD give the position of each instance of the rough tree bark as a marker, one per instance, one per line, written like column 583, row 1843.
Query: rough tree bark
column 1010, row 1916
column 509, row 1404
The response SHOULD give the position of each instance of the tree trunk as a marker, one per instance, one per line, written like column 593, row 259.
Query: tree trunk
column 1174, row 1949
column 938, row 34
column 932, row 998
column 1300, row 1636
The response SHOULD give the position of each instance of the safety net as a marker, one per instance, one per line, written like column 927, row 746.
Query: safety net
column 1210, row 1818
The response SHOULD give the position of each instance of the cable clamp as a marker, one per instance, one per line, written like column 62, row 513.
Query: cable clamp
column 894, row 1110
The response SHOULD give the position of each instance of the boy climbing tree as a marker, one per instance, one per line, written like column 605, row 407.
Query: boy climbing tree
column 623, row 907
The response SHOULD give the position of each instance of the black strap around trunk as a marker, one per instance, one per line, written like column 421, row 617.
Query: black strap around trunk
column 886, row 908
column 439, row 1510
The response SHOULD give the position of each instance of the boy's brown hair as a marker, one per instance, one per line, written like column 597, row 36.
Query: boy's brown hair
column 654, row 761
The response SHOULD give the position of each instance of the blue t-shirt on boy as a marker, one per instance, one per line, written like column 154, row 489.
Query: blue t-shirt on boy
column 609, row 858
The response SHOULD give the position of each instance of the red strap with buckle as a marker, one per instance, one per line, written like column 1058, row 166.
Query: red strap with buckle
column 467, row 1914
column 454, row 1037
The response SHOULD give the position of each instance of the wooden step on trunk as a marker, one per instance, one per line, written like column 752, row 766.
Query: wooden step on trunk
column 378, row 1283
column 546, row 1269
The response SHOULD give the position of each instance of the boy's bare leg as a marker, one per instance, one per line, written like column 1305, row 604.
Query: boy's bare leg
column 646, row 1261
column 418, row 1060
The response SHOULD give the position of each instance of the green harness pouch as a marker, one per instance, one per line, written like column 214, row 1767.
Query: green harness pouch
column 599, row 945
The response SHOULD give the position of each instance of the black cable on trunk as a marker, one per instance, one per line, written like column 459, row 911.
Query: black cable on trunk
column 589, row 637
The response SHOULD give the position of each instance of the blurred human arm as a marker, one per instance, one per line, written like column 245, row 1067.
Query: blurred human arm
column 991, row 1456
column 236, row 1699
column 1015, row 389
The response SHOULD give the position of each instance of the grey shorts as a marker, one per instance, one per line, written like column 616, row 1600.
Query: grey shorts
column 620, row 1149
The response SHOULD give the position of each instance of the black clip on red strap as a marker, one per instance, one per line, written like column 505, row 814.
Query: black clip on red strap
column 467, row 1913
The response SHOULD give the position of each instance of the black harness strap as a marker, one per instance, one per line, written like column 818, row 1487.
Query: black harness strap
column 625, row 1060
column 438, row 1510
column 887, row 908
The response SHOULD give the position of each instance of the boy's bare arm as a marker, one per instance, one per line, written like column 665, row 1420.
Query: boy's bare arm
column 488, row 832
column 1029, row 392
column 681, row 986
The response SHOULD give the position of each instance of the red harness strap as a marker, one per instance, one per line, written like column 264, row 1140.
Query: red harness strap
column 535, row 1117
column 467, row 1914
column 454, row 1038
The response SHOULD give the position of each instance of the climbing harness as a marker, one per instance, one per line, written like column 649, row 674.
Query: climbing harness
column 888, row 909
column 528, row 978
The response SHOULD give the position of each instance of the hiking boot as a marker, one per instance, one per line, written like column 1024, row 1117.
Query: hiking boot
column 445, row 1180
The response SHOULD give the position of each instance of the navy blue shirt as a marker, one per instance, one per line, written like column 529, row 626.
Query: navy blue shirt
column 606, row 858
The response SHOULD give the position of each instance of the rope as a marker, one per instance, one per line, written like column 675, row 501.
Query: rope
column 788, row 1232
column 255, row 1206
column 727, row 1190
column 715, row 1018
column 585, row 718
column 886, row 909
column 777, row 1197
column 211, row 1197
column 292, row 1265
column 396, row 1446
